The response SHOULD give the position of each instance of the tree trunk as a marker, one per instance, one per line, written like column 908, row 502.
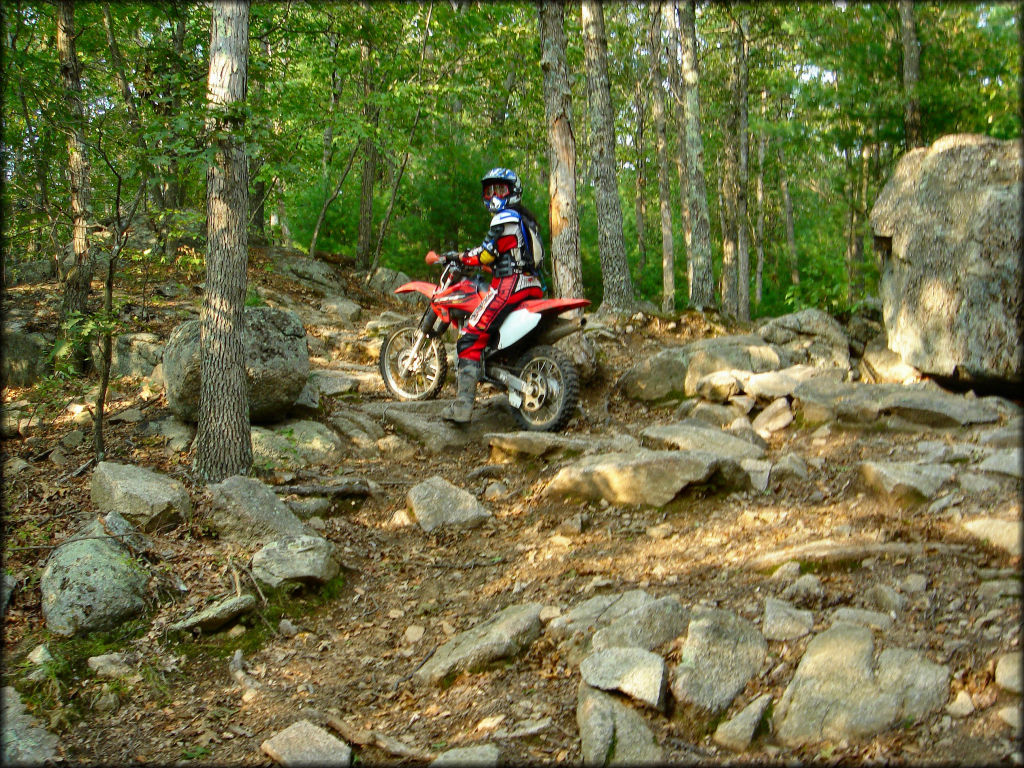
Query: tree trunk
column 673, row 53
column 79, row 277
column 762, row 147
column 668, row 274
column 787, row 203
column 566, row 270
column 911, row 75
column 743, row 178
column 698, row 265
column 223, row 442
column 639, row 201
column 369, row 151
column 618, row 286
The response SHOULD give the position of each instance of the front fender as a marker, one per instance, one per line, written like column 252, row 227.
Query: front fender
column 417, row 286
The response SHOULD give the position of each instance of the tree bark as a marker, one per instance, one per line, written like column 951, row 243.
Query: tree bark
column 567, row 273
column 668, row 274
column 369, row 170
column 616, row 280
column 79, row 278
column 223, row 442
column 639, row 199
column 787, row 203
column 911, row 76
column 698, row 265
column 677, row 105
column 762, row 147
column 743, row 175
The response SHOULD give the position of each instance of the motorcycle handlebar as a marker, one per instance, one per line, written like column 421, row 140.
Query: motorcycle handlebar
column 448, row 256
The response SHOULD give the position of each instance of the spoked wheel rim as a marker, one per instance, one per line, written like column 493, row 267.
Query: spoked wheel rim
column 550, row 391
column 412, row 374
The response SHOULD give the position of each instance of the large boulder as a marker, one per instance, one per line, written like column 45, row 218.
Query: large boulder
column 276, row 365
column 811, row 336
column 91, row 581
column 24, row 358
column 947, row 225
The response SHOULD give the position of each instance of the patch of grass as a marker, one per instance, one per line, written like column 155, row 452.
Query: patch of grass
column 195, row 753
column 843, row 565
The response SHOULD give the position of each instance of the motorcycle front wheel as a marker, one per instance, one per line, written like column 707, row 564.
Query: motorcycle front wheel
column 551, row 389
column 412, row 365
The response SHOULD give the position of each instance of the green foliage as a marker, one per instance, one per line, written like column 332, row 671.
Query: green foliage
column 323, row 78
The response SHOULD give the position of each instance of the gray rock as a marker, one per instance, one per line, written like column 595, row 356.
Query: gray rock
column 646, row 626
column 295, row 444
column 961, row 706
column 112, row 666
column 880, row 365
column 775, row 417
column 7, row 586
column 1008, row 672
column 914, row 583
column 217, row 615
column 482, row 755
column 885, row 599
column 1002, row 534
column 689, row 437
column 1004, row 463
column 905, row 481
column 92, row 582
column 315, row 273
column 737, row 732
column 635, row 672
column 704, row 414
column 810, row 336
column 772, row 385
column 436, row 503
column 24, row 358
column 758, row 472
column 872, row 619
column 806, row 589
column 523, row 444
column 344, row 308
column 247, row 512
column 612, row 733
column 25, row 742
column 718, row 387
column 303, row 743
column 720, row 654
column 837, row 695
column 642, row 477
column 421, row 421
column 504, row 635
column 132, row 354
column 597, row 612
column 964, row 237
column 784, row 622
column 147, row 499
column 789, row 466
column 179, row 436
column 304, row 559
column 674, row 372
column 276, row 365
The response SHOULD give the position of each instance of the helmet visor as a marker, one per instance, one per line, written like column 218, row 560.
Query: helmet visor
column 495, row 189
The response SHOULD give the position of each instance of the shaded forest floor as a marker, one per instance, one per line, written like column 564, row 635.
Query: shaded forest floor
column 403, row 592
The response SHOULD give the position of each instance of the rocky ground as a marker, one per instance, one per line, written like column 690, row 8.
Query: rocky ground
column 346, row 656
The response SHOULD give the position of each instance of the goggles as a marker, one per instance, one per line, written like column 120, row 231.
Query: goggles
column 496, row 189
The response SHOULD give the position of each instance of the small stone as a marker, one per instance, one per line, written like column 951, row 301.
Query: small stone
column 414, row 633
column 885, row 599
column 236, row 631
column 110, row 665
column 961, row 706
column 784, row 622
column 73, row 439
column 914, row 583
column 805, row 589
column 40, row 655
column 872, row 619
column 483, row 755
column 660, row 531
column 1011, row 716
column 735, row 734
column 549, row 612
column 1008, row 672
column 305, row 744
column 286, row 628
column 786, row 571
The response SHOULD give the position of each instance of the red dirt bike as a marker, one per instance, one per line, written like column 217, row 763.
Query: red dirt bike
column 541, row 380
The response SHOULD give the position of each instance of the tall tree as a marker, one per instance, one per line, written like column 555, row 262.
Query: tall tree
column 698, row 264
column 562, row 211
column 79, row 276
column 668, row 267
column 616, row 281
column 911, row 76
column 730, row 182
column 223, row 442
column 743, row 175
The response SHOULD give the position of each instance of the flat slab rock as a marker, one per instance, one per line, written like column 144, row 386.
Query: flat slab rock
column 512, row 445
column 25, row 742
column 639, row 674
column 838, row 693
column 504, row 635
column 688, row 437
column 303, row 743
column 217, row 615
column 641, row 477
column 436, row 503
column 612, row 733
column 906, row 480
column 307, row 559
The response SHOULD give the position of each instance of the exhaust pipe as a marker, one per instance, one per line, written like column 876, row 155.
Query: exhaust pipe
column 560, row 328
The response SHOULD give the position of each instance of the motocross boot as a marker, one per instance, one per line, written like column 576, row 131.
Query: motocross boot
column 461, row 410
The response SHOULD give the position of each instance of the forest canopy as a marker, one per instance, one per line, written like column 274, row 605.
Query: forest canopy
column 414, row 101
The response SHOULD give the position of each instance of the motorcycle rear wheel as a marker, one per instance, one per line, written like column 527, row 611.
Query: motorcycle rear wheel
column 408, row 376
column 552, row 389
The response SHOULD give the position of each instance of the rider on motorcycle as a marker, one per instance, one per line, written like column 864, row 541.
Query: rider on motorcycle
column 512, row 253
